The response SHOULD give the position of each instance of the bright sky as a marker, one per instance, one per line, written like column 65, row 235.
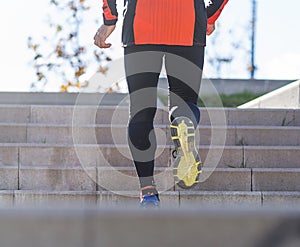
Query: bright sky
column 278, row 38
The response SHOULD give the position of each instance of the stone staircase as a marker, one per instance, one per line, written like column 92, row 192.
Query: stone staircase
column 66, row 179
column 40, row 165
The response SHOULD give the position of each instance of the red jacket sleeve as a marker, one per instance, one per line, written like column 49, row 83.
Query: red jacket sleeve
column 212, row 19
column 110, row 13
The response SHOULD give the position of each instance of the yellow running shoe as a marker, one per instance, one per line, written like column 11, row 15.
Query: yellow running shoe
column 187, row 166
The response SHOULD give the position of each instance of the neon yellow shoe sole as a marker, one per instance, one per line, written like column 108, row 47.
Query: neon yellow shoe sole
column 187, row 166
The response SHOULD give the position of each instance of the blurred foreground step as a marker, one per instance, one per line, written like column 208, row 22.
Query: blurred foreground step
column 135, row 228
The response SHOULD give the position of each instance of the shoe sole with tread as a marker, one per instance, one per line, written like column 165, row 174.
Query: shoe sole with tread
column 187, row 166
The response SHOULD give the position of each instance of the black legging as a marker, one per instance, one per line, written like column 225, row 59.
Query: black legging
column 143, row 64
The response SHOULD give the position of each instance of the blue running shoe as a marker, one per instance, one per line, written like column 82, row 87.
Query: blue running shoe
column 149, row 201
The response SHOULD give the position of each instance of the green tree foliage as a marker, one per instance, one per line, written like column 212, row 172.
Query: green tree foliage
column 61, row 53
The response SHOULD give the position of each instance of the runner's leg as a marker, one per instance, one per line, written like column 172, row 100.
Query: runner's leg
column 184, row 68
column 184, row 80
column 142, row 73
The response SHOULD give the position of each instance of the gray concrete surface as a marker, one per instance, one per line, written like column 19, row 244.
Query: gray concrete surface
column 169, row 199
column 117, row 134
column 110, row 114
column 125, row 179
column 134, row 228
column 287, row 96
column 222, row 86
column 261, row 157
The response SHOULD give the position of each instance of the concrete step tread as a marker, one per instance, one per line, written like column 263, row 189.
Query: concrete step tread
column 125, row 179
column 64, row 114
column 126, row 107
column 129, row 193
column 132, row 168
column 123, row 126
column 69, row 145
column 157, row 169
column 137, row 193
column 90, row 155
column 169, row 199
column 182, row 192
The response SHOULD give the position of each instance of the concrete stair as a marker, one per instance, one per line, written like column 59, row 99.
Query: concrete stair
column 39, row 163
column 132, row 228
column 171, row 199
column 56, row 114
column 62, row 134
column 57, row 193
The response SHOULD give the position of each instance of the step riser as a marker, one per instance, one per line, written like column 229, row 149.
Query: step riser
column 89, row 157
column 15, row 114
column 281, row 199
column 283, row 180
column 118, row 135
column 9, row 156
column 239, row 157
column 126, row 180
column 86, row 115
column 103, row 199
column 181, row 199
column 9, row 178
column 57, row 179
column 268, row 158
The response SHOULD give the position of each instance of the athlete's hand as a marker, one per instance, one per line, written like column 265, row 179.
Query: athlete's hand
column 210, row 29
column 102, row 34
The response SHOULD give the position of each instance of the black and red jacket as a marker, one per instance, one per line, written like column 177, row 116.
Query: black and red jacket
column 169, row 22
